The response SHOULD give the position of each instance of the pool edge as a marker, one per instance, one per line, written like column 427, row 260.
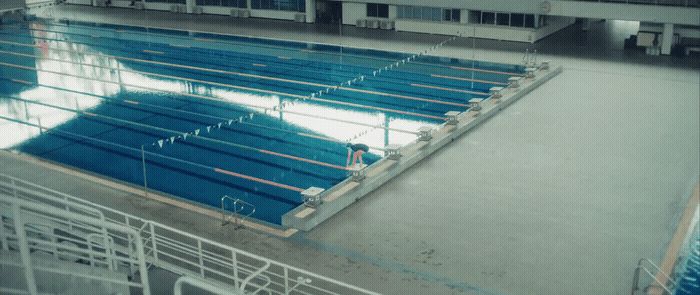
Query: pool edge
column 152, row 195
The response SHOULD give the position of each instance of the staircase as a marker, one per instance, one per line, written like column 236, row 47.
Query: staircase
column 51, row 242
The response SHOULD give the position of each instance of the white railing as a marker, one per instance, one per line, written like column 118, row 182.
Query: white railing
column 237, row 213
column 29, row 227
column 647, row 266
column 186, row 254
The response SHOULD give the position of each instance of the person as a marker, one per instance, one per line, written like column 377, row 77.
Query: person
column 357, row 150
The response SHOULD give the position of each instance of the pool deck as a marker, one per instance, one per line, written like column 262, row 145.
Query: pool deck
column 351, row 190
column 560, row 193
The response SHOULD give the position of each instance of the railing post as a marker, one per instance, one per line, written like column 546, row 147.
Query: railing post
column 153, row 242
column 14, row 188
column 143, row 270
column 286, row 281
column 143, row 164
column 234, row 260
column 635, row 281
column 3, row 236
column 23, row 245
column 201, row 259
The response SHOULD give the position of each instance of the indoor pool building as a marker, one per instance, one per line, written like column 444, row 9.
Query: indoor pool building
column 349, row 147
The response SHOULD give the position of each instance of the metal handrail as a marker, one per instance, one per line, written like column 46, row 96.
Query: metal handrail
column 236, row 215
column 232, row 265
column 640, row 267
column 22, row 209
column 204, row 285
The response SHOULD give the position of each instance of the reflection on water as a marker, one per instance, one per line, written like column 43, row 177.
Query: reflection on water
column 95, row 74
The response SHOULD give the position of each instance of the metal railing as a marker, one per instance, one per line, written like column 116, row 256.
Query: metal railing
column 236, row 213
column 30, row 227
column 189, row 255
column 667, row 287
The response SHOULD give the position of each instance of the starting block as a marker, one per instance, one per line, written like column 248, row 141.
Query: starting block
column 312, row 196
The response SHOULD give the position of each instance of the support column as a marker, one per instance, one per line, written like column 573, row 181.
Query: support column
column 464, row 16
column 190, row 5
column 310, row 11
column 667, row 39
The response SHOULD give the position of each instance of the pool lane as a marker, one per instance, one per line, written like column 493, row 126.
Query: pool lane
column 167, row 48
column 301, row 90
column 92, row 101
column 352, row 56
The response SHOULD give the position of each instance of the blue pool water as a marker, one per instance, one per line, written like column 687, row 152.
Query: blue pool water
column 689, row 283
column 101, row 92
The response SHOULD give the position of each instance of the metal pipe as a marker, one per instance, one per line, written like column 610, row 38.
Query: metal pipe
column 186, row 280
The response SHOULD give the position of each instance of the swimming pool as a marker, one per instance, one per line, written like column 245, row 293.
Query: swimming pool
column 216, row 114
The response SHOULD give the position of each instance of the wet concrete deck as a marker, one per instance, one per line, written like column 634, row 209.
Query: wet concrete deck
column 560, row 193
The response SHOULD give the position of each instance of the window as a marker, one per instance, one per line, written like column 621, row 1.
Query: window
column 488, row 18
column 517, row 20
column 451, row 15
column 529, row 21
column 428, row 13
column 168, row 1
column 377, row 10
column 475, row 16
column 503, row 19
column 287, row 5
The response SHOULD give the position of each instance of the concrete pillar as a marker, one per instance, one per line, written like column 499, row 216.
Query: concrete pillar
column 464, row 16
column 190, row 5
column 310, row 11
column 667, row 39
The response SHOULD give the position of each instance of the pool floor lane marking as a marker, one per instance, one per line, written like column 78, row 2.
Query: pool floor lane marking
column 448, row 89
column 175, row 132
column 406, row 97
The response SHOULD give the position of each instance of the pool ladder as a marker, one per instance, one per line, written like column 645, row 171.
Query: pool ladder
column 238, row 214
column 665, row 289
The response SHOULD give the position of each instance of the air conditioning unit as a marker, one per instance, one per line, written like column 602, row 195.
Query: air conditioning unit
column 300, row 17
column 386, row 25
column 101, row 3
column 174, row 8
column 361, row 23
column 197, row 10
column 235, row 12
column 372, row 23
column 138, row 5
column 244, row 13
